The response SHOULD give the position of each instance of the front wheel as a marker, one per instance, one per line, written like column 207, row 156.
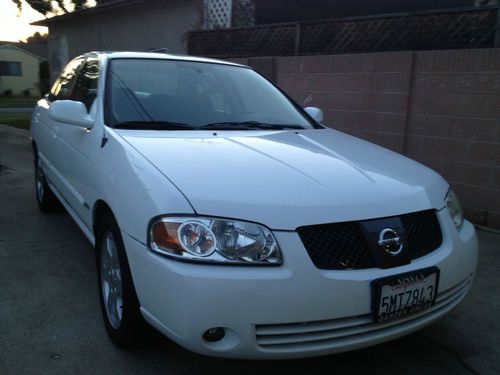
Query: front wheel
column 47, row 201
column 119, row 303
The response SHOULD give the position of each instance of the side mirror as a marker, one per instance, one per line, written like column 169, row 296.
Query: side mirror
column 315, row 113
column 71, row 112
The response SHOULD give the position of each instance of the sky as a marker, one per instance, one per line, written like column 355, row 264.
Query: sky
column 15, row 26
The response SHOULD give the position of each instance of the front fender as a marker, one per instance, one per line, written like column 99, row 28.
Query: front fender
column 134, row 189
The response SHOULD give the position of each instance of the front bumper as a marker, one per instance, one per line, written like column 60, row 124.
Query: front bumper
column 291, row 311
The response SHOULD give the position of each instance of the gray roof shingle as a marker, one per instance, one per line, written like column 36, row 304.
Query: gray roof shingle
column 38, row 49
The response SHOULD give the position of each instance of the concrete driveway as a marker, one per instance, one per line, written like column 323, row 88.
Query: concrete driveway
column 50, row 320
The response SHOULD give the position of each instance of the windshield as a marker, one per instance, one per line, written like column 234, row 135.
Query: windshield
column 169, row 94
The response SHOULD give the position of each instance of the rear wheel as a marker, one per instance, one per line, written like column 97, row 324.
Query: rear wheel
column 119, row 303
column 47, row 201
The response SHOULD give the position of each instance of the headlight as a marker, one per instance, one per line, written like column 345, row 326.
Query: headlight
column 214, row 240
column 454, row 208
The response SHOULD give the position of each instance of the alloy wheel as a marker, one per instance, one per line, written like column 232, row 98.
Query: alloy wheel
column 111, row 280
column 39, row 180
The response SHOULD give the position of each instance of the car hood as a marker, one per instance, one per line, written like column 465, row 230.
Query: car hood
column 286, row 179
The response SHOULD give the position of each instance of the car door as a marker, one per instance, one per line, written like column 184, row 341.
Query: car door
column 79, row 147
column 46, row 130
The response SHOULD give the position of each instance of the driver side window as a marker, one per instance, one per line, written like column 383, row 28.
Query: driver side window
column 63, row 86
column 85, row 89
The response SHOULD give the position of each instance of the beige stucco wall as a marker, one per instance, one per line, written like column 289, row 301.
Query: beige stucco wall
column 30, row 66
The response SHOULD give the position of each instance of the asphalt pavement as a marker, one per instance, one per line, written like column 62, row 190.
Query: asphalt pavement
column 50, row 320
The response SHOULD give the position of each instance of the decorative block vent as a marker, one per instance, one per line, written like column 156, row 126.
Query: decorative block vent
column 218, row 13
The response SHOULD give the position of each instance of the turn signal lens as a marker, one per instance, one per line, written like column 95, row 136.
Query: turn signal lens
column 165, row 236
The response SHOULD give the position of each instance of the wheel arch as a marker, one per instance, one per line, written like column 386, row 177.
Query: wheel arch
column 35, row 149
column 100, row 210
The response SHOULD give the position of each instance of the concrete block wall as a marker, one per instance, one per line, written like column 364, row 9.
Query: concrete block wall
column 441, row 108
column 454, row 125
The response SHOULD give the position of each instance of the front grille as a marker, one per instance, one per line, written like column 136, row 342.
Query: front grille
column 328, row 334
column 423, row 233
column 342, row 245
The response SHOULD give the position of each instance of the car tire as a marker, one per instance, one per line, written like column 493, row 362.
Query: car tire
column 47, row 201
column 119, row 303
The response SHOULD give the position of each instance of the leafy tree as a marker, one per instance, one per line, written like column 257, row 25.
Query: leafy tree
column 47, row 7
column 44, row 76
column 37, row 38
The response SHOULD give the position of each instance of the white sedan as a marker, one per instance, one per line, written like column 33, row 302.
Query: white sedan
column 232, row 221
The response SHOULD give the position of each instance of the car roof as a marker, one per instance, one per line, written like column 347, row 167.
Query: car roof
column 158, row 55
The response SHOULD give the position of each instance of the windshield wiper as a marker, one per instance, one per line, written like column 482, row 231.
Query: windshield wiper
column 246, row 125
column 153, row 125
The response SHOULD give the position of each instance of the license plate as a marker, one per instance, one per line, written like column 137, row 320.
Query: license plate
column 401, row 295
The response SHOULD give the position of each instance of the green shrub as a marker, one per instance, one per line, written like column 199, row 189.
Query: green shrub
column 26, row 93
column 7, row 92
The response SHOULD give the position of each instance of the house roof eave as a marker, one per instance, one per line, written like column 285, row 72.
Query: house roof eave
column 12, row 45
column 96, row 9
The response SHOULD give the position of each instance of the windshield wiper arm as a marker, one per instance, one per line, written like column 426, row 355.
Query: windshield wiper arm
column 244, row 125
column 153, row 125
column 230, row 125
